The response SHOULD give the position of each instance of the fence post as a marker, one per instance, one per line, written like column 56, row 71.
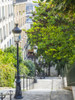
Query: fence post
column 11, row 93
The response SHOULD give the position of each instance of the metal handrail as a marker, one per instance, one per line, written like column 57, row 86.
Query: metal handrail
column 3, row 95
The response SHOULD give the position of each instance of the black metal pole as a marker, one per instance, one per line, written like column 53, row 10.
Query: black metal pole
column 49, row 70
column 44, row 70
column 35, row 78
column 18, row 93
column 23, row 82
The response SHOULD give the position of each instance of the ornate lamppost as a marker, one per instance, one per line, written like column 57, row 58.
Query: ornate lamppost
column 18, row 93
column 35, row 52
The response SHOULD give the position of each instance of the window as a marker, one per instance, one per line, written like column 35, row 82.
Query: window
column 29, row 9
column 8, row 10
column 6, row 13
column 4, row 32
column 10, row 42
column 9, row 28
column 0, row 14
column 4, row 46
column 3, row 12
column 1, row 36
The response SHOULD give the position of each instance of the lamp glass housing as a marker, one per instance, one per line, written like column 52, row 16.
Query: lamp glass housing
column 35, row 49
column 44, row 61
column 16, row 37
column 41, row 58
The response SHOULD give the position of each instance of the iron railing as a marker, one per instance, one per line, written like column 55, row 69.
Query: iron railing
column 26, row 84
column 6, row 94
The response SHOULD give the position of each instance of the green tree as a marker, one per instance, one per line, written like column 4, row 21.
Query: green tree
column 30, row 65
column 53, row 31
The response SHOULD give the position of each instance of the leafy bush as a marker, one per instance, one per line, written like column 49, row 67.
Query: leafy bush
column 8, row 63
column 13, row 51
column 30, row 65
column 23, row 69
column 7, row 75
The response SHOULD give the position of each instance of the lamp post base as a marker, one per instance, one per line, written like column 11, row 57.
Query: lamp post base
column 18, row 92
column 18, row 97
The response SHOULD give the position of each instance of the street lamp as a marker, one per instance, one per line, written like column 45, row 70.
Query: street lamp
column 35, row 52
column 35, row 49
column 41, row 58
column 18, row 94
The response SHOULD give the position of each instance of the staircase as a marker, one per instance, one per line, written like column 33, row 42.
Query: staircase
column 48, row 89
column 52, row 84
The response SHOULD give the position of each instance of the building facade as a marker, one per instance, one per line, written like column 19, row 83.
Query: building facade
column 30, row 7
column 6, row 23
column 20, row 18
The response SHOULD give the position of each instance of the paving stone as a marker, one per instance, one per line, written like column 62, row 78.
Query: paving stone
column 47, row 89
column 61, row 95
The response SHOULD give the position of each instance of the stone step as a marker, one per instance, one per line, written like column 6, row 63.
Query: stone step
column 47, row 95
column 61, row 95
column 52, row 84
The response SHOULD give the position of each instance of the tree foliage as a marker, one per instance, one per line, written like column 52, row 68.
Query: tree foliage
column 53, row 31
column 8, row 63
column 7, row 69
column 30, row 65
column 13, row 51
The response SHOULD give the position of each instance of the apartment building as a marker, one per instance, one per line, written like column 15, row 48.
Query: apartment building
column 20, row 18
column 6, row 23
column 30, row 7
